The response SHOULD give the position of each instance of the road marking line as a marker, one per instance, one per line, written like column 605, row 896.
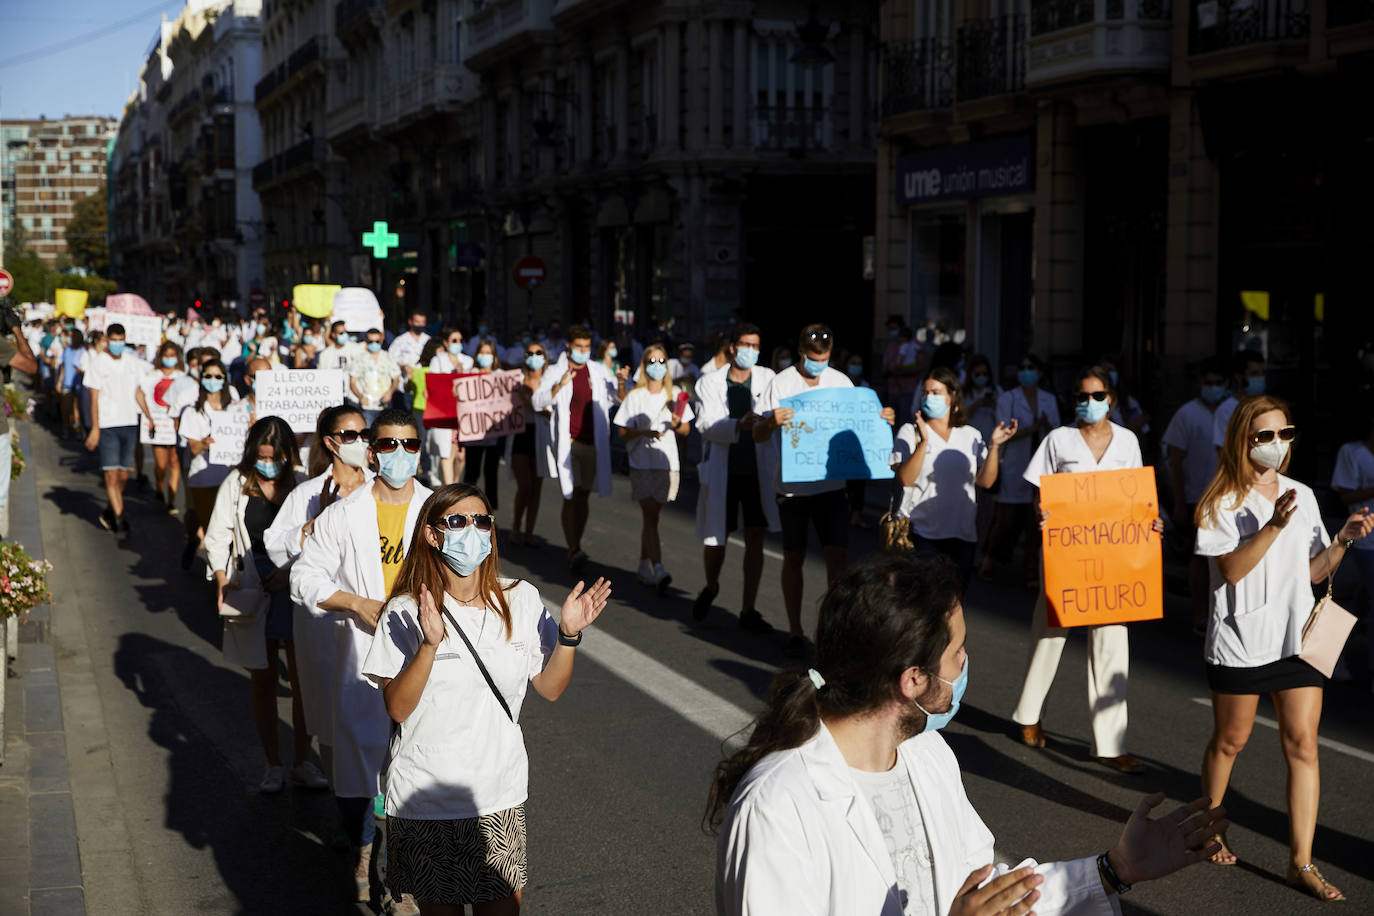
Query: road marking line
column 739, row 542
column 682, row 695
column 1334, row 745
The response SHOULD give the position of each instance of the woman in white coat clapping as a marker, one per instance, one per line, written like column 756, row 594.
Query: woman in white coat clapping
column 248, row 501
column 454, row 651
column 347, row 567
column 339, row 466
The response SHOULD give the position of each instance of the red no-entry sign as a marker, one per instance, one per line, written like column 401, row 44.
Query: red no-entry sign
column 6, row 282
column 529, row 272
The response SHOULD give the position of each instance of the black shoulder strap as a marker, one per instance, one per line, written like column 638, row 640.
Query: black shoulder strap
column 480, row 667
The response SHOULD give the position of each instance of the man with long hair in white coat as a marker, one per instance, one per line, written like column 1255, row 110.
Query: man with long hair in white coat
column 347, row 566
column 580, row 392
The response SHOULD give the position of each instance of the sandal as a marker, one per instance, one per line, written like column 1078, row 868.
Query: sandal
column 1218, row 857
column 1326, row 892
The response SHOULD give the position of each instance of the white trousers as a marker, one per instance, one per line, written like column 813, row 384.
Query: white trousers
column 1108, row 667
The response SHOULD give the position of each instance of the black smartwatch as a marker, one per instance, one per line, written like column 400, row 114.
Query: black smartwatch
column 565, row 640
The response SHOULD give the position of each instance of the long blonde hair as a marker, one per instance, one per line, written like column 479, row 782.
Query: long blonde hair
column 644, row 379
column 423, row 565
column 1234, row 467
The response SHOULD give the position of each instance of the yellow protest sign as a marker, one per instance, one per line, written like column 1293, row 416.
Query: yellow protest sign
column 70, row 302
column 314, row 300
column 1102, row 554
column 1256, row 301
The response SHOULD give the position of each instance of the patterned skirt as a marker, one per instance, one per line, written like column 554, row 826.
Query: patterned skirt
column 473, row 860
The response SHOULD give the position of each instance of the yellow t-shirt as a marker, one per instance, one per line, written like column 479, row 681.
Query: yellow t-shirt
column 391, row 522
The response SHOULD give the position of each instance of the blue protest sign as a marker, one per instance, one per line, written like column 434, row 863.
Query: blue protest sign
column 835, row 434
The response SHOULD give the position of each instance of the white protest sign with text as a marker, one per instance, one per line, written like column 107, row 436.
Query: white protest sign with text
column 298, row 395
column 139, row 330
column 229, row 430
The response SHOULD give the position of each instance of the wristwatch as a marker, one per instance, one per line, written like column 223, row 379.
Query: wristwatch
column 1109, row 875
column 565, row 640
column 1346, row 542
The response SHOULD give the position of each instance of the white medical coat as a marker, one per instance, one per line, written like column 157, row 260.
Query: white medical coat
column 343, row 554
column 604, row 396
column 800, row 839
column 718, row 433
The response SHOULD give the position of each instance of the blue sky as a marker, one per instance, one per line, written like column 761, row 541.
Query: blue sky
column 93, row 77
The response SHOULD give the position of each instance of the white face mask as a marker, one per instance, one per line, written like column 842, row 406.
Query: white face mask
column 353, row 454
column 1269, row 455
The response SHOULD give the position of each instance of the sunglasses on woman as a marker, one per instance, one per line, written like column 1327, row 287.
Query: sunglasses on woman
column 1082, row 396
column 388, row 444
column 1265, row 436
column 212, row 376
column 458, row 521
column 534, row 352
column 349, row 436
column 656, row 361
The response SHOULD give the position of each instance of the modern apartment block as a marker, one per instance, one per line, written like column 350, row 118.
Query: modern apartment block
column 47, row 166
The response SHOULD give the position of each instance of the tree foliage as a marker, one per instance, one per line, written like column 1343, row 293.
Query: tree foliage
column 34, row 281
column 86, row 242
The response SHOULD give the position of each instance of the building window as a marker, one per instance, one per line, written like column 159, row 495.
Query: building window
column 792, row 103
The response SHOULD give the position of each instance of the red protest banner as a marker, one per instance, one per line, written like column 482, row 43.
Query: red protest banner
column 441, row 411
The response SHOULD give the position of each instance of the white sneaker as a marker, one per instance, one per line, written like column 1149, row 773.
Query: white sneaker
column 661, row 578
column 308, row 775
column 272, row 781
column 646, row 572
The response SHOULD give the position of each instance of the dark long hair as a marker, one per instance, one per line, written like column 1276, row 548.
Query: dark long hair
column 423, row 565
column 320, row 457
column 225, row 398
column 886, row 615
column 276, row 432
column 945, row 376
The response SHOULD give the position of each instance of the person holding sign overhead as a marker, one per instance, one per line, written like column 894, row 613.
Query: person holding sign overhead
column 1265, row 543
column 939, row 458
column 1094, row 443
column 800, row 505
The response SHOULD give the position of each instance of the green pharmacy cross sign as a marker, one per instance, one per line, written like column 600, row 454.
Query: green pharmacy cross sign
column 380, row 239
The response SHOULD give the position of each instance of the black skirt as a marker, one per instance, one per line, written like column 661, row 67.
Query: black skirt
column 1284, row 674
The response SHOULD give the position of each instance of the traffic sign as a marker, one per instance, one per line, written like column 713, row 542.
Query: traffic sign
column 529, row 273
column 257, row 298
column 6, row 282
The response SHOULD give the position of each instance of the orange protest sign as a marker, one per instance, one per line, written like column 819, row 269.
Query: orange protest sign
column 1102, row 555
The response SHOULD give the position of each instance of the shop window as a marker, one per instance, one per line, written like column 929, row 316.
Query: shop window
column 939, row 267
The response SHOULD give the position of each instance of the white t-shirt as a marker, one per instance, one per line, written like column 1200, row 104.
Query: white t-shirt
column 1012, row 405
column 457, row 755
column 444, row 361
column 1190, row 431
column 786, row 383
column 1355, row 471
column 1220, row 420
column 1065, row 451
column 942, row 502
column 642, row 409
column 182, row 394
column 893, row 800
column 406, row 348
column 677, row 369
column 332, row 357
column 373, row 374
column 195, row 424
column 116, row 380
column 1260, row 619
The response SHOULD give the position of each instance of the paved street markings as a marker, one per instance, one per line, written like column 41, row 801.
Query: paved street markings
column 1340, row 746
column 695, row 703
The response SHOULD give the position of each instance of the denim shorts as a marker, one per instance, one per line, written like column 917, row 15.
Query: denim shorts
column 117, row 448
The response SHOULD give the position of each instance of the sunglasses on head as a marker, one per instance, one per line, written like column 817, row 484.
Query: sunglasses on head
column 1082, row 396
column 387, row 444
column 458, row 521
column 349, row 436
column 1265, row 436
column 822, row 336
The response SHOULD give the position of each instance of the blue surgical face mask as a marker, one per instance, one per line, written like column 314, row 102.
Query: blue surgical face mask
column 579, row 356
column 310, row 340
column 656, row 371
column 267, row 470
column 465, row 549
column 343, row 339
column 397, row 466
column 212, row 385
column 612, row 352
column 746, row 357
column 854, row 369
column 1092, row 411
column 1028, row 377
column 116, row 348
column 815, row 367
column 169, row 362
column 1213, row 394
column 784, row 362
column 1112, row 374
column 484, row 360
column 535, row 362
column 935, row 406
column 374, row 346
column 455, row 348
column 938, row 720
column 1254, row 387
column 981, row 381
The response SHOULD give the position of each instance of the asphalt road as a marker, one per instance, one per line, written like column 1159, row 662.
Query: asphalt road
column 164, row 761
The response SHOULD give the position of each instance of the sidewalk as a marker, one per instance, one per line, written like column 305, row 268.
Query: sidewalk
column 40, row 867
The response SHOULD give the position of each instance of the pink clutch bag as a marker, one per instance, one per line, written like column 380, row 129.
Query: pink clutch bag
column 1325, row 633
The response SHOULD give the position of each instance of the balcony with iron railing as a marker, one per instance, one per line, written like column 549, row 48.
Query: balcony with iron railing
column 311, row 51
column 354, row 17
column 792, row 129
column 1222, row 25
column 1073, row 39
column 990, row 57
column 500, row 27
column 346, row 117
column 917, row 76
